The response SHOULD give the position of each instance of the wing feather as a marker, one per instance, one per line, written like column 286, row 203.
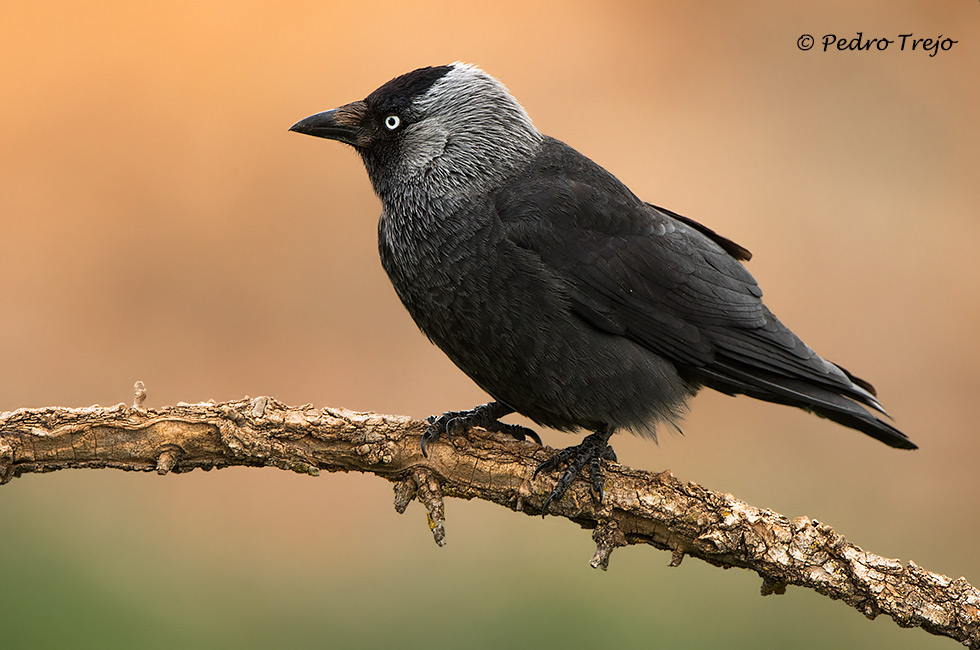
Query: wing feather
column 668, row 283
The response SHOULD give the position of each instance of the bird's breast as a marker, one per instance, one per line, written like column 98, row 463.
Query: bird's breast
column 435, row 261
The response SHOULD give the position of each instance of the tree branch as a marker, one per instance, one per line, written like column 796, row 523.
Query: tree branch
column 638, row 507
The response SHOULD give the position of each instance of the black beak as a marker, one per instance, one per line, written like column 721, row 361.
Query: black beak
column 342, row 124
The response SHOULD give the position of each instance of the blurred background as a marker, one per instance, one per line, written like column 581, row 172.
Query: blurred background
column 159, row 223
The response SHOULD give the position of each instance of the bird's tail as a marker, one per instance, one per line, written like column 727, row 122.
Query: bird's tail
column 810, row 396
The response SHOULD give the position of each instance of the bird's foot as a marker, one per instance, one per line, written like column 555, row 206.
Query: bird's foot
column 486, row 416
column 588, row 453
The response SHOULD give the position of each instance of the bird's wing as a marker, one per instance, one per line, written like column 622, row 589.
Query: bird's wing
column 637, row 271
column 674, row 287
column 730, row 247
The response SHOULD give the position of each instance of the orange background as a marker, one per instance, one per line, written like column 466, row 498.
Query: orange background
column 159, row 223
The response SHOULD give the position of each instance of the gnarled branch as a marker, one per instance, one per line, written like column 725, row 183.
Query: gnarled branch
column 638, row 507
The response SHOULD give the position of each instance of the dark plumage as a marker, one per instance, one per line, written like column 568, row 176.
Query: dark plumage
column 556, row 289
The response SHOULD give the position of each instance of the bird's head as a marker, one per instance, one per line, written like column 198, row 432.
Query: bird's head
column 442, row 130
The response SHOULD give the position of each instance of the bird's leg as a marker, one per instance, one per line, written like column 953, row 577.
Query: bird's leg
column 589, row 453
column 486, row 416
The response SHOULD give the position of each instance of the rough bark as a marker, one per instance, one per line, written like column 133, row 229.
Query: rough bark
column 638, row 507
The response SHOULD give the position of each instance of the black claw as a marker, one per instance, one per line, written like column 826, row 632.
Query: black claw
column 431, row 434
column 515, row 431
column 589, row 453
column 556, row 460
column 486, row 416
column 547, row 502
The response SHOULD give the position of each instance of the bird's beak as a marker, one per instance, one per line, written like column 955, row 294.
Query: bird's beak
column 343, row 124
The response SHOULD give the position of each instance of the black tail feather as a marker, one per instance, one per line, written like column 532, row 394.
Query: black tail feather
column 866, row 385
column 805, row 395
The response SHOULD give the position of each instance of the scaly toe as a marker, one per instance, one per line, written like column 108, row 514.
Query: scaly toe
column 589, row 453
column 487, row 416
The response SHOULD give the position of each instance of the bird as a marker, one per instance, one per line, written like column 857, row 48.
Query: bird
column 556, row 289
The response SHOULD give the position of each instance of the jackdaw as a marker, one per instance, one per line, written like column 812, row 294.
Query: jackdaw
column 557, row 290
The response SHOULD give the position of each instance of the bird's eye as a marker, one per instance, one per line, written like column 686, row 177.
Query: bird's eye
column 392, row 122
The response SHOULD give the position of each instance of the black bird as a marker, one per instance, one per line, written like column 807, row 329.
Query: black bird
column 557, row 290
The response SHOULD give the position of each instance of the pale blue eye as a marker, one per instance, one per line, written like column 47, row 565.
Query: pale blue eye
column 392, row 122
